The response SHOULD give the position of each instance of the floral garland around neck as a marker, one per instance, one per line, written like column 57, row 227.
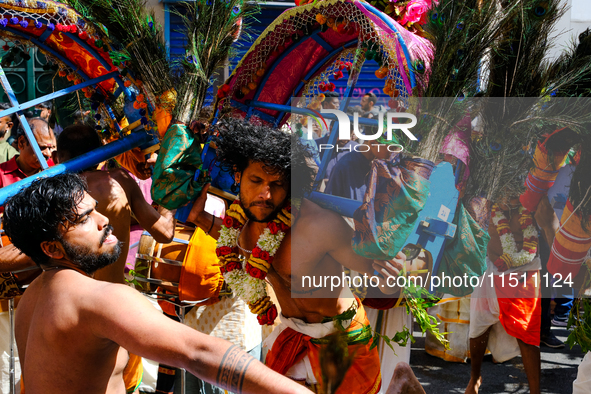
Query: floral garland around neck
column 512, row 258
column 247, row 279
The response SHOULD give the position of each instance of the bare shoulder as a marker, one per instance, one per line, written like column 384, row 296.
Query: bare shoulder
column 313, row 215
column 324, row 225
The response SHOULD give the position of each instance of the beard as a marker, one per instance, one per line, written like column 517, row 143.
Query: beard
column 250, row 216
column 90, row 261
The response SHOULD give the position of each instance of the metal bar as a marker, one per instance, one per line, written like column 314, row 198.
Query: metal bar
column 28, row 132
column 79, row 163
column 183, row 370
column 57, row 94
column 12, row 366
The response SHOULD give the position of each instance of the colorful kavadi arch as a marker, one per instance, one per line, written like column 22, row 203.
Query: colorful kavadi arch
column 308, row 47
column 301, row 54
column 81, row 52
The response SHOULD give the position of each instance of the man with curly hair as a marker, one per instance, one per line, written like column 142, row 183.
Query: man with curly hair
column 74, row 332
column 271, row 168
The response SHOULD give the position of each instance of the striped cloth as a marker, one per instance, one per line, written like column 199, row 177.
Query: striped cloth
column 570, row 245
column 541, row 178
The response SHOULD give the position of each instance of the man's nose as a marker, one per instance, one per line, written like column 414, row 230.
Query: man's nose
column 265, row 192
column 101, row 220
column 46, row 152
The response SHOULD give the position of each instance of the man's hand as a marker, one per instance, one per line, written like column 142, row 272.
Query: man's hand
column 387, row 269
column 198, row 216
column 547, row 220
column 145, row 168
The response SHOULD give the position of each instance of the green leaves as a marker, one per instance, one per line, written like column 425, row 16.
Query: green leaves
column 134, row 274
column 418, row 299
column 580, row 325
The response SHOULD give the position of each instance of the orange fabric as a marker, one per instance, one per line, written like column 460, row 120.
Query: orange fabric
column 201, row 276
column 163, row 119
column 130, row 159
column 363, row 377
column 133, row 373
column 520, row 307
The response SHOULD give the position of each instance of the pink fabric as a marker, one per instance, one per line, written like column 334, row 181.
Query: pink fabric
column 419, row 48
column 457, row 143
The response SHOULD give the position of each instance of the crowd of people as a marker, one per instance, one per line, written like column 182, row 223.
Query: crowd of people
column 79, row 327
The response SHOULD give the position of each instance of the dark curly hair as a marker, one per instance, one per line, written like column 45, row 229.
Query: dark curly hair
column 43, row 212
column 239, row 143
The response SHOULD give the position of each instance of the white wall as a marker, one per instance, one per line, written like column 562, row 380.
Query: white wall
column 576, row 19
column 158, row 10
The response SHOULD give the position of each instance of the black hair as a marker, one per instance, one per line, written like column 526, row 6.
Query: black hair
column 42, row 212
column 76, row 140
column 372, row 97
column 239, row 143
column 13, row 117
column 5, row 106
column 331, row 94
column 46, row 105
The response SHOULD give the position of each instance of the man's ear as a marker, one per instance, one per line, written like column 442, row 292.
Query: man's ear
column 237, row 176
column 53, row 249
column 22, row 142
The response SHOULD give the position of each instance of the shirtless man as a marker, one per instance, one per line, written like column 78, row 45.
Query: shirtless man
column 516, row 308
column 118, row 195
column 72, row 330
column 271, row 168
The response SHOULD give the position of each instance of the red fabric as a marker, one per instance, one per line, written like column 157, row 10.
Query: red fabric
column 520, row 307
column 294, row 347
column 10, row 173
column 363, row 377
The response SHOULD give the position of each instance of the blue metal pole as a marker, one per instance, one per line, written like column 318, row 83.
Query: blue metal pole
column 340, row 205
column 57, row 94
column 79, row 163
column 28, row 132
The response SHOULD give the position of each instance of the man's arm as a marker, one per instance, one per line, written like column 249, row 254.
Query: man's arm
column 160, row 224
column 12, row 259
column 210, row 224
column 138, row 327
column 547, row 220
column 332, row 236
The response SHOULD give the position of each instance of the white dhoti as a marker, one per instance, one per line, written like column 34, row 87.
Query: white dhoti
column 582, row 384
column 391, row 321
column 5, row 349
